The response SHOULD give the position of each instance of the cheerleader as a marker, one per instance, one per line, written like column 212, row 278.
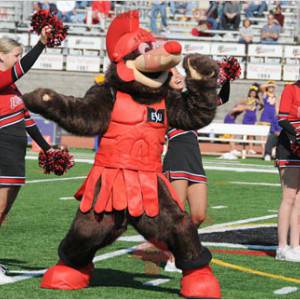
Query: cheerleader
column 288, row 162
column 230, row 118
column 183, row 162
column 252, row 103
column 15, row 121
column 269, row 117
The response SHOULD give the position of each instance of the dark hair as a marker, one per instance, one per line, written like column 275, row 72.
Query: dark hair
column 245, row 20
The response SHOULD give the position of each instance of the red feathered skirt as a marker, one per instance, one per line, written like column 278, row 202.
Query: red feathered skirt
column 123, row 189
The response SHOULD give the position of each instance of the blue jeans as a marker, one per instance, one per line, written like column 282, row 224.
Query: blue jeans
column 214, row 23
column 256, row 8
column 270, row 42
column 158, row 8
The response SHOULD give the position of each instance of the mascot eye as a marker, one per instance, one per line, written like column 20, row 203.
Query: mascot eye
column 157, row 44
column 144, row 47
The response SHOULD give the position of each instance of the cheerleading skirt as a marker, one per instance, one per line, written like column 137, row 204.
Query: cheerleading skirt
column 285, row 158
column 12, row 159
column 183, row 159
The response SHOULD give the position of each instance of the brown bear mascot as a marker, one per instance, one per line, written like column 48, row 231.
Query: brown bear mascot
column 131, row 111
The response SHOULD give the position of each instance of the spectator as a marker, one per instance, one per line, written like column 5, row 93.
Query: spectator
column 230, row 118
column 158, row 7
column 203, row 24
column 269, row 117
column 65, row 10
column 183, row 8
column 231, row 17
column 279, row 17
column 246, row 32
column 213, row 13
column 100, row 11
column 250, row 116
column 256, row 8
column 270, row 32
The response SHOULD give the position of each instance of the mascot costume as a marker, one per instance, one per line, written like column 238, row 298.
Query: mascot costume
column 131, row 111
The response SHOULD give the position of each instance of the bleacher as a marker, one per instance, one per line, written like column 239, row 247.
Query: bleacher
column 84, row 48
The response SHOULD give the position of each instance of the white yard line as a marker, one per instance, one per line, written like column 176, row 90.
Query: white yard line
column 66, row 198
column 255, row 183
column 156, row 282
column 214, row 166
column 219, row 207
column 237, row 222
column 55, row 179
column 242, row 170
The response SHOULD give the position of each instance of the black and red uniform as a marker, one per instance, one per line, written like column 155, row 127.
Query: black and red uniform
column 289, row 120
column 15, row 121
column 183, row 160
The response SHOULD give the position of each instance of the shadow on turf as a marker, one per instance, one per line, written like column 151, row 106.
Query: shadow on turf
column 15, row 263
column 117, row 278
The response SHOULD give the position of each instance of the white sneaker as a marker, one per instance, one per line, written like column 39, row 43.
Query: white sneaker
column 267, row 157
column 170, row 267
column 3, row 277
column 293, row 254
column 251, row 151
column 236, row 152
column 229, row 156
column 281, row 253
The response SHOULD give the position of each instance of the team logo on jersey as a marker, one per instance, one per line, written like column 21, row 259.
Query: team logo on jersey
column 15, row 101
column 156, row 116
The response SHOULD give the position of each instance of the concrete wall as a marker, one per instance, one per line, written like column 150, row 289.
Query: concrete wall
column 76, row 84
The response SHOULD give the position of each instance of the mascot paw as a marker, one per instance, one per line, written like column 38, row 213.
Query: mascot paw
column 62, row 277
column 200, row 67
column 200, row 283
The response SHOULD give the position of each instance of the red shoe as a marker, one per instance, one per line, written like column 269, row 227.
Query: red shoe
column 200, row 283
column 62, row 277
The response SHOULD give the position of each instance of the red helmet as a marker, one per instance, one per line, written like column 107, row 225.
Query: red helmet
column 124, row 35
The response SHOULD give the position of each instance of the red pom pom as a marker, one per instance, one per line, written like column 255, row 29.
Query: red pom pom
column 230, row 69
column 56, row 161
column 295, row 147
column 58, row 31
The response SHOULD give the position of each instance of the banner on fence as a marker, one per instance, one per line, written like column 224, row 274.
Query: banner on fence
column 265, row 50
column 82, row 63
column 291, row 72
column 84, row 42
column 292, row 51
column 226, row 49
column 192, row 47
column 263, row 71
column 49, row 62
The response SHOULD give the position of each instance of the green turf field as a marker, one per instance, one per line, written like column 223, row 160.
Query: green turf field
column 238, row 191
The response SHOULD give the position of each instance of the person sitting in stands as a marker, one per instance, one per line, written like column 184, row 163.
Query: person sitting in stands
column 270, row 32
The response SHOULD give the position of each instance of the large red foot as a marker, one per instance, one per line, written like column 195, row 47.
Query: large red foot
column 62, row 277
column 200, row 283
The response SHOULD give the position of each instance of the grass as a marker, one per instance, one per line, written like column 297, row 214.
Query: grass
column 39, row 220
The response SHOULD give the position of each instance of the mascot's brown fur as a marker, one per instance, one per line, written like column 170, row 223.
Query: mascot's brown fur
column 141, row 80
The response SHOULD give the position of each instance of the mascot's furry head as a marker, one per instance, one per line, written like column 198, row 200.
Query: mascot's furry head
column 140, row 64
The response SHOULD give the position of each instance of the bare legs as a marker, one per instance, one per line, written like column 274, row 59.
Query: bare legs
column 289, row 211
column 196, row 195
column 7, row 197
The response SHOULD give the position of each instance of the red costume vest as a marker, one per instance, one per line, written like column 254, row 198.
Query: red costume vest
column 129, row 161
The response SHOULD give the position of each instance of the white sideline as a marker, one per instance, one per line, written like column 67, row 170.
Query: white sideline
column 255, row 183
column 54, row 179
column 207, row 166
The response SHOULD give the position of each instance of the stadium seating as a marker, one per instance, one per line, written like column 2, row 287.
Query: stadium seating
column 84, row 49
